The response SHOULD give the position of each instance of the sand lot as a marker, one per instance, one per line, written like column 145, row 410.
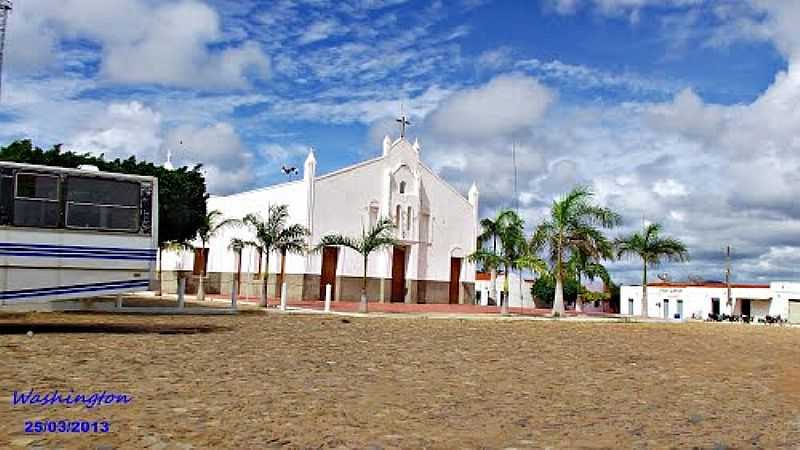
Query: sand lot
column 264, row 381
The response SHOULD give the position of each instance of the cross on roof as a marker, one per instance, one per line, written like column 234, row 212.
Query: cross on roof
column 403, row 121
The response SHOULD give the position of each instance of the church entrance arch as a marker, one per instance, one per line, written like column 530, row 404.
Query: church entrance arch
column 399, row 274
column 330, row 258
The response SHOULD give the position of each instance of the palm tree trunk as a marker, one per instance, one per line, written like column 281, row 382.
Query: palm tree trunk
column 579, row 299
column 201, row 291
column 160, row 276
column 494, row 284
column 645, row 310
column 238, row 272
column 504, row 307
column 283, row 271
column 265, row 298
column 558, row 302
column 362, row 307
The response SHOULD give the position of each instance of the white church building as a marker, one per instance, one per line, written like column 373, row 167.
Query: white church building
column 436, row 227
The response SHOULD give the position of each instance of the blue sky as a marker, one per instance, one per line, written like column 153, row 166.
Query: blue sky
column 678, row 111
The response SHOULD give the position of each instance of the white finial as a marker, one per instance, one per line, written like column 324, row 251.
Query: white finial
column 168, row 164
column 311, row 159
column 473, row 190
column 416, row 146
column 387, row 145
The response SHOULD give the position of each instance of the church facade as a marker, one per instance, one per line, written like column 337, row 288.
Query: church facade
column 436, row 227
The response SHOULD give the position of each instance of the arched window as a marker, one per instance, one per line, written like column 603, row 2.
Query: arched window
column 402, row 187
column 408, row 220
column 397, row 216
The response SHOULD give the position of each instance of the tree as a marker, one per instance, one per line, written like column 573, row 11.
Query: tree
column 544, row 288
column 490, row 232
column 376, row 237
column 181, row 192
column 208, row 229
column 168, row 246
column 237, row 245
column 272, row 233
column 507, row 229
column 572, row 227
column 652, row 249
column 582, row 264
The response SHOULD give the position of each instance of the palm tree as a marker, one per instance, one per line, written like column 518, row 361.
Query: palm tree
column 237, row 246
column 208, row 229
column 273, row 234
column 512, row 243
column 572, row 227
column 168, row 246
column 492, row 229
column 376, row 237
column 581, row 264
column 652, row 249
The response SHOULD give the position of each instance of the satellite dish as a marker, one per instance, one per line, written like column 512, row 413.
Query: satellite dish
column 664, row 276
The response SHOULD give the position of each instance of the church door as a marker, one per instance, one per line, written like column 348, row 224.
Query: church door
column 455, row 276
column 330, row 257
column 399, row 275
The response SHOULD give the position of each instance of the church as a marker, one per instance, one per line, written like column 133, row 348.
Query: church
column 436, row 229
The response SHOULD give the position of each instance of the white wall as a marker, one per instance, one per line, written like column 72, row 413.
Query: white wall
column 697, row 300
column 515, row 299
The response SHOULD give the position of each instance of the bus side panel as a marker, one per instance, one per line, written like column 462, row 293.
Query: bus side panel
column 63, row 264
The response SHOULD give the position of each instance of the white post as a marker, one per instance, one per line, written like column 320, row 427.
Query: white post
column 181, row 291
column 234, row 295
column 328, row 288
column 283, row 296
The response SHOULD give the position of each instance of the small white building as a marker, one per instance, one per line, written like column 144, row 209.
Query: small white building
column 437, row 228
column 671, row 300
column 519, row 290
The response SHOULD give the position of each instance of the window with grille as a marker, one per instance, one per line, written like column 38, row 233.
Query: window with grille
column 95, row 203
column 36, row 200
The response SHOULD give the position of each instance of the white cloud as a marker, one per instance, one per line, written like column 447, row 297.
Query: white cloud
column 670, row 188
column 319, row 31
column 227, row 161
column 166, row 44
column 505, row 105
column 124, row 129
column 494, row 59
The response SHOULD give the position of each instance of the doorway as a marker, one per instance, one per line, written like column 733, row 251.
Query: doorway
column 665, row 302
column 715, row 307
column 680, row 309
column 330, row 258
column 745, row 307
column 630, row 306
column 455, row 277
column 399, row 275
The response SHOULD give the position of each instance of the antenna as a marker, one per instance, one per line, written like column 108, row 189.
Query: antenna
column 514, row 160
column 5, row 7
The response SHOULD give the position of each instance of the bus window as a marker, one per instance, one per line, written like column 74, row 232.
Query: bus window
column 95, row 203
column 36, row 200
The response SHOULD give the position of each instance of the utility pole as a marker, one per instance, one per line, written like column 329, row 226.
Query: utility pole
column 728, row 276
column 5, row 7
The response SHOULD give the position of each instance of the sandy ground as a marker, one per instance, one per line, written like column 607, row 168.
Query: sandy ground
column 261, row 381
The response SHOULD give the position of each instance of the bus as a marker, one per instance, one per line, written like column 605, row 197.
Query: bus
column 75, row 233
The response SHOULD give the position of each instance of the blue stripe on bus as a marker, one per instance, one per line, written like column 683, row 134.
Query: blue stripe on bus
column 77, row 248
column 73, row 289
column 40, row 254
